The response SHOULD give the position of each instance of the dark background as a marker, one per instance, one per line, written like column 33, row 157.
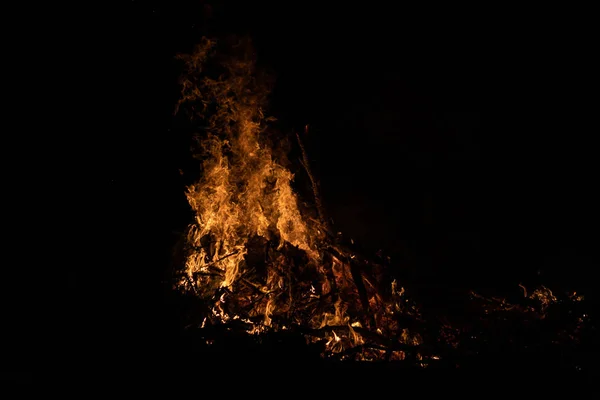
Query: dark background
column 394, row 125
column 398, row 101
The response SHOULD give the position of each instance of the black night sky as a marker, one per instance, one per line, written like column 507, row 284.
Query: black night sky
column 398, row 102
column 393, row 116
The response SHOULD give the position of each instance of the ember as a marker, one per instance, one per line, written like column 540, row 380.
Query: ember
column 259, row 262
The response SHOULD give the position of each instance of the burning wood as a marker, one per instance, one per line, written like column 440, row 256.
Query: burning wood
column 258, row 262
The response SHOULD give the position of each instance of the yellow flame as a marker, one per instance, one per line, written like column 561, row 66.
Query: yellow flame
column 243, row 192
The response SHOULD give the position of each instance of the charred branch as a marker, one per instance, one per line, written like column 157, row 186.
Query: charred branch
column 314, row 185
column 372, row 337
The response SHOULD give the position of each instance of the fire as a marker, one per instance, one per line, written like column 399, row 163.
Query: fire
column 243, row 191
column 252, row 251
column 255, row 257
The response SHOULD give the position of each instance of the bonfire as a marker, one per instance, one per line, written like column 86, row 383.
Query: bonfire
column 260, row 259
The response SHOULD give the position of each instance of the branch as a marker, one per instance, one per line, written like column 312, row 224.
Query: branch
column 219, row 270
column 367, row 334
column 315, row 187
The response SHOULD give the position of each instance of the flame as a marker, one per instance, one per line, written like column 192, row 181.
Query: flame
column 243, row 192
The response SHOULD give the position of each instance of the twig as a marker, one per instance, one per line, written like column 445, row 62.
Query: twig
column 315, row 187
column 212, row 265
column 191, row 283
column 357, row 349
column 195, row 274
column 372, row 336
